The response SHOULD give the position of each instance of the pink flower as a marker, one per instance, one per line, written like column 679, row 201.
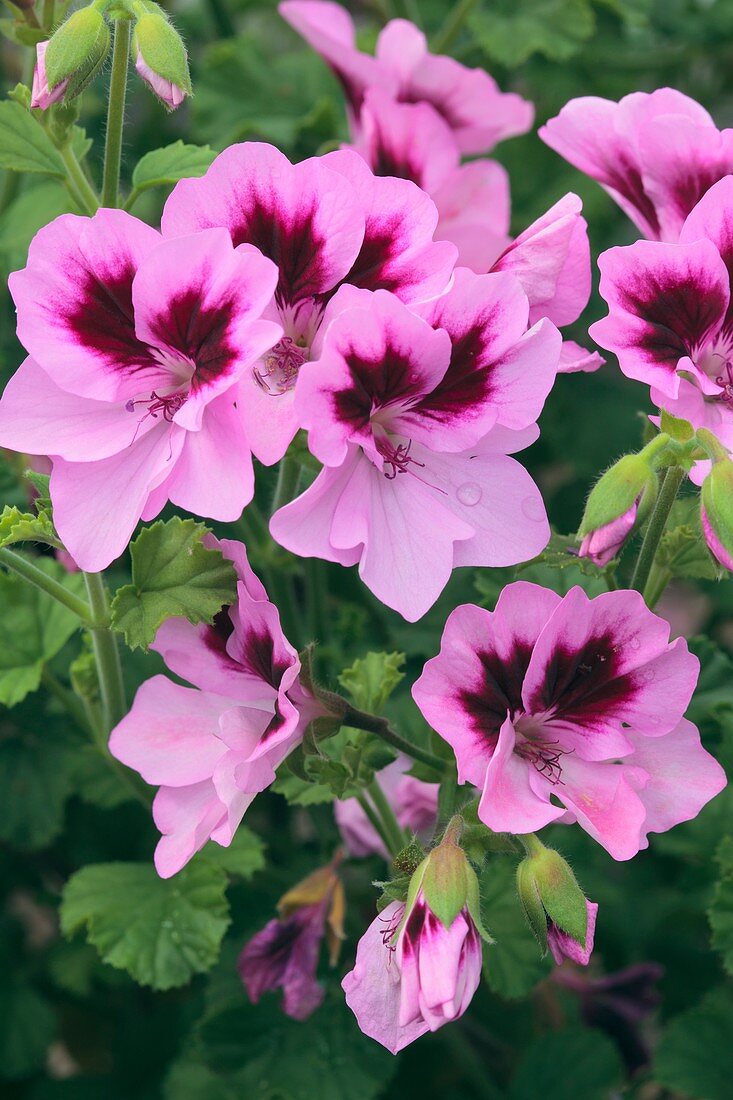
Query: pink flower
column 413, row 417
column 570, row 709
column 168, row 92
column 137, row 350
column 41, row 95
column 468, row 100
column 424, row 979
column 551, row 258
column 414, row 802
column 324, row 222
column 656, row 154
column 670, row 319
column 213, row 747
column 602, row 545
column 563, row 946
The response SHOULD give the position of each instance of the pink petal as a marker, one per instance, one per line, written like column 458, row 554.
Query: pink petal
column 186, row 816
column 509, row 803
column 474, row 206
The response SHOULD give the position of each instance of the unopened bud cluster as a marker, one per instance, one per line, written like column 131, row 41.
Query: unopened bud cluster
column 558, row 912
column 75, row 53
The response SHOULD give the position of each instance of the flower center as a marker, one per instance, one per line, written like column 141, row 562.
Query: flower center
column 544, row 756
column 166, row 406
column 279, row 370
column 397, row 459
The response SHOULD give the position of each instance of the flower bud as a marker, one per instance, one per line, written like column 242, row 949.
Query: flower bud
column 71, row 58
column 618, row 501
column 418, row 965
column 716, row 512
column 160, row 58
column 556, row 909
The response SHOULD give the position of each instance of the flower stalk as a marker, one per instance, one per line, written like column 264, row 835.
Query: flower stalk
column 116, row 112
column 668, row 490
column 106, row 654
column 373, row 723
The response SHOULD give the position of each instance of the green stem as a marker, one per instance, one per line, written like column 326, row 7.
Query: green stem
column 447, row 795
column 106, row 655
column 658, row 580
column 391, row 825
column 82, row 188
column 372, row 723
column 452, row 26
column 68, row 700
column 375, row 821
column 116, row 113
column 316, row 599
column 288, row 477
column 30, row 572
column 48, row 14
column 531, row 843
column 669, row 488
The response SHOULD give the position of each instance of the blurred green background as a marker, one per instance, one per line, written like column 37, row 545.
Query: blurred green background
column 72, row 1028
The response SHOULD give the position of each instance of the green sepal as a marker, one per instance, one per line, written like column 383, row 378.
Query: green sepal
column 716, row 500
column 616, row 492
column 561, row 896
column 77, row 49
column 531, row 903
column 445, row 883
column 679, row 430
column 162, row 49
column 473, row 904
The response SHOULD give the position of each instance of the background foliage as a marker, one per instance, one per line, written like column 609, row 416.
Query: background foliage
column 91, row 1007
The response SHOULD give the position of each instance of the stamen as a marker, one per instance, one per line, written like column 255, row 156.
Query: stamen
column 281, row 366
column 544, row 759
column 397, row 459
column 392, row 924
column 169, row 405
column 726, row 383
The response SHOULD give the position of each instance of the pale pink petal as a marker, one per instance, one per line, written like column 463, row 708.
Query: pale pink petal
column 473, row 205
column 509, row 804
column 186, row 817
column 605, row 802
column 574, row 358
column 372, row 988
column 97, row 504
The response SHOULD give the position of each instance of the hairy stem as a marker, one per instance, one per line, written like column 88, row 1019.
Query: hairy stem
column 372, row 723
column 116, row 113
column 669, row 488
column 80, row 187
column 30, row 572
column 106, row 654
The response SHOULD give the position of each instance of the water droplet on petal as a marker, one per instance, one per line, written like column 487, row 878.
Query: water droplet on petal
column 533, row 509
column 469, row 494
column 634, row 642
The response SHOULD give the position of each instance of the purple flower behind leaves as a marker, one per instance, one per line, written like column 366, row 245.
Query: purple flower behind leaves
column 284, row 955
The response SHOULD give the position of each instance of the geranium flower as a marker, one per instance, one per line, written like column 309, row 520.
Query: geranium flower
column 415, row 804
column 137, row 350
column 324, row 222
column 569, row 709
column 284, row 954
column 411, row 979
column 413, row 417
column 670, row 320
column 468, row 100
column 656, row 154
column 213, row 747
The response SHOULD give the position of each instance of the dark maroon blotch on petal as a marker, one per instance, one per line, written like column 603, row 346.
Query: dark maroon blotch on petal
column 102, row 318
column 295, row 246
column 499, row 692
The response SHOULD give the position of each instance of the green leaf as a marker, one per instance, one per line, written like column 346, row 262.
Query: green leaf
column 170, row 164
column 682, row 549
column 695, row 1054
column 574, row 1062
column 27, row 1026
column 273, row 1058
column 244, row 856
column 35, row 627
column 17, row 526
column 514, row 965
column 161, row 931
column 33, row 208
column 298, row 791
column 173, row 573
column 510, row 33
column 24, row 144
column 35, row 781
column 371, row 679
column 190, row 1080
column 720, row 913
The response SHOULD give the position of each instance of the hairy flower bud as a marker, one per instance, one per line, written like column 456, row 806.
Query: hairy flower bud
column 556, row 909
column 716, row 512
column 71, row 58
column 160, row 57
column 618, row 501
